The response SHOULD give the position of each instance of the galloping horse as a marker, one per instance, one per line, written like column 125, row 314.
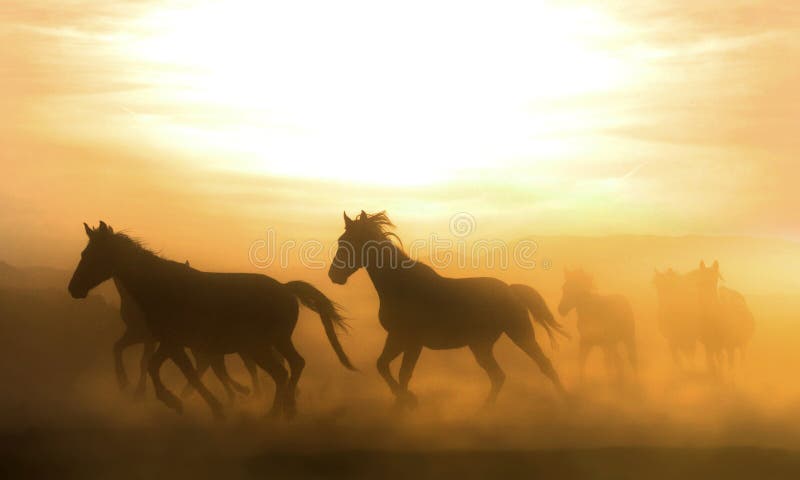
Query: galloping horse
column 726, row 323
column 603, row 320
column 216, row 313
column 420, row 308
column 136, row 331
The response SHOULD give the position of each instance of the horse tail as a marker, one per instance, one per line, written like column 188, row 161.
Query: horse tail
column 541, row 313
column 328, row 311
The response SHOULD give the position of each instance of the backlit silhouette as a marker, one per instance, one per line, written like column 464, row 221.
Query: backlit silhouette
column 216, row 313
column 604, row 321
column 136, row 332
column 722, row 321
column 420, row 308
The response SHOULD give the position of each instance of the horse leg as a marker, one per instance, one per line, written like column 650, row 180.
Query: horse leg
column 252, row 369
column 410, row 357
column 527, row 342
column 485, row 357
column 202, row 363
column 126, row 340
column 391, row 349
column 162, row 393
column 147, row 353
column 178, row 355
column 613, row 363
column 583, row 354
column 296, row 363
column 282, row 402
column 218, row 366
column 633, row 356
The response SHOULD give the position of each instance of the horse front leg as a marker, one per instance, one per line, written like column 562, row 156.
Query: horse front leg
column 162, row 393
column 126, row 340
column 178, row 355
column 406, row 399
column 391, row 349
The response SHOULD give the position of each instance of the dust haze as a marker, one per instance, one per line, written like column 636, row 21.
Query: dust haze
column 61, row 394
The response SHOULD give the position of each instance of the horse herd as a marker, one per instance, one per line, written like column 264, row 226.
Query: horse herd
column 171, row 307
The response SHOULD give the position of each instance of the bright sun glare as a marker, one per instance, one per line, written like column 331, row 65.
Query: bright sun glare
column 364, row 92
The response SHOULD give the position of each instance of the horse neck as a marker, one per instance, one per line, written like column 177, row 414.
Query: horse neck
column 137, row 273
column 394, row 270
column 583, row 300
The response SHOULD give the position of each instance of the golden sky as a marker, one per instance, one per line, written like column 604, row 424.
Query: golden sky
column 219, row 119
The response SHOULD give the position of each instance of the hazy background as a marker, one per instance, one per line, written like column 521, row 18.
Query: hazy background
column 620, row 137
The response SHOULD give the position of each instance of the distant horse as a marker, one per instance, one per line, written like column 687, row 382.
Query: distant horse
column 726, row 323
column 420, row 308
column 677, row 315
column 604, row 321
column 136, row 332
column 216, row 313
column 739, row 323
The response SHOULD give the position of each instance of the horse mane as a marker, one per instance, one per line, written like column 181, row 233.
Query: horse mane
column 378, row 225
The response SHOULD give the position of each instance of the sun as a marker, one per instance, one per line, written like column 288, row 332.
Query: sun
column 364, row 92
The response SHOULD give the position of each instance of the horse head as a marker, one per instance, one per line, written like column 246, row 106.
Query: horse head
column 96, row 264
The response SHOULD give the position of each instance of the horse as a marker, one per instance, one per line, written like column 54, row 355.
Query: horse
column 677, row 315
column 726, row 323
column 421, row 309
column 603, row 321
column 136, row 332
column 216, row 313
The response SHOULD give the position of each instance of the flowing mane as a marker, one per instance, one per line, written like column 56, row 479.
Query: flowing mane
column 378, row 225
column 128, row 243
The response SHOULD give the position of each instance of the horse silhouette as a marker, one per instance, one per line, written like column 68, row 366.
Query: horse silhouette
column 420, row 308
column 694, row 308
column 136, row 332
column 678, row 315
column 216, row 313
column 726, row 323
column 604, row 321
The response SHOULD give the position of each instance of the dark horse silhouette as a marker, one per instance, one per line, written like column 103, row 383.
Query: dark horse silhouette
column 420, row 308
column 216, row 313
column 136, row 332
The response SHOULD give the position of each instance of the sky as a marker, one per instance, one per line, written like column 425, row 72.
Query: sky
column 201, row 124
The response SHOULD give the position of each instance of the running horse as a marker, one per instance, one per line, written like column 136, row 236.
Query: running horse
column 136, row 332
column 216, row 313
column 420, row 308
column 604, row 321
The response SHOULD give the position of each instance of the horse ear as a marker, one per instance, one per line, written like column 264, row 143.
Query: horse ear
column 716, row 265
column 363, row 215
column 88, row 230
column 347, row 220
column 102, row 227
column 702, row 264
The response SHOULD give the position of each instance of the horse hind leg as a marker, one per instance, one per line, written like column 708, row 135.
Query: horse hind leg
column 202, row 362
column 526, row 340
column 147, row 354
column 485, row 357
column 230, row 385
column 283, row 401
column 252, row 369
column 296, row 365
